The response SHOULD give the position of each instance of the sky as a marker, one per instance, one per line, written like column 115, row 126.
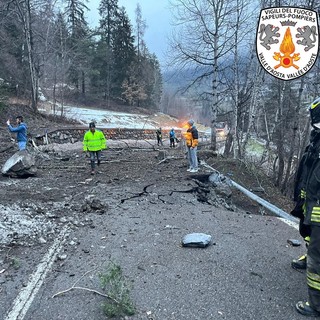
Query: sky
column 156, row 15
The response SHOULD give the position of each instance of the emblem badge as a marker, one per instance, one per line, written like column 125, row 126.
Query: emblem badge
column 287, row 41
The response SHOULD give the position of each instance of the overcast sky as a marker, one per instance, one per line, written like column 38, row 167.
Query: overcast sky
column 154, row 12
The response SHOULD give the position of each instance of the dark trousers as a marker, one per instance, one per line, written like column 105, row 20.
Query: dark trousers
column 172, row 144
column 93, row 155
column 313, row 268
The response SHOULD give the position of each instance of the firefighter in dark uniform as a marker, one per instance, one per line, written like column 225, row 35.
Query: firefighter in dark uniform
column 299, row 197
column 308, row 183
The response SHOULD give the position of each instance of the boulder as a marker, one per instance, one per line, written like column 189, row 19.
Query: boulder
column 221, row 184
column 21, row 165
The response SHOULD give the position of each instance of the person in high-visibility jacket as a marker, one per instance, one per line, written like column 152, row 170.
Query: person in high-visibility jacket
column 310, row 186
column 192, row 137
column 93, row 142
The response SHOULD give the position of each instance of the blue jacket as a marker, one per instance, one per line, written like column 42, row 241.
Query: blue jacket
column 21, row 130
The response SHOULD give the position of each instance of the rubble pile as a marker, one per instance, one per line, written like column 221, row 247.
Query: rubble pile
column 21, row 226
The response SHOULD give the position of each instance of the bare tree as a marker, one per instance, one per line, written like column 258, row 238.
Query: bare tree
column 203, row 39
column 243, row 85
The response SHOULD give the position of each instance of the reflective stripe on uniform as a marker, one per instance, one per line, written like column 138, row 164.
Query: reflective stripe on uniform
column 302, row 194
column 315, row 214
column 313, row 280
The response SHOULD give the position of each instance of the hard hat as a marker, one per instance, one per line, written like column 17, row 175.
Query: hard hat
column 191, row 122
column 315, row 111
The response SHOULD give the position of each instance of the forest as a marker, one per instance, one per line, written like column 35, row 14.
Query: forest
column 50, row 45
column 212, row 74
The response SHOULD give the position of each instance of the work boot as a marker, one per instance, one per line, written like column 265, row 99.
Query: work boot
column 92, row 172
column 305, row 309
column 300, row 263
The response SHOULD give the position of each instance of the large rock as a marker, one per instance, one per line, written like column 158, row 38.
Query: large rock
column 21, row 164
column 221, row 184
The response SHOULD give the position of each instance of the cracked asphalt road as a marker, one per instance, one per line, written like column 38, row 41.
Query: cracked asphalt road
column 142, row 210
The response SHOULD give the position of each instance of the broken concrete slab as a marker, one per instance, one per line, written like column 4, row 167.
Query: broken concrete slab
column 22, row 164
column 221, row 184
column 196, row 240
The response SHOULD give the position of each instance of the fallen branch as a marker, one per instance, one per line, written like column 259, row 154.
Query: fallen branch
column 85, row 289
column 74, row 287
column 34, row 144
column 120, row 160
column 61, row 167
column 165, row 159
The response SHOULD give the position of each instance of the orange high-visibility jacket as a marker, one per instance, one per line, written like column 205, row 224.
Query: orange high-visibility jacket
column 192, row 137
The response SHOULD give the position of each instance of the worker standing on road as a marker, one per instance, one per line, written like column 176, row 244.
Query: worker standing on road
column 192, row 143
column 21, row 130
column 310, row 186
column 159, row 137
column 94, row 141
column 172, row 137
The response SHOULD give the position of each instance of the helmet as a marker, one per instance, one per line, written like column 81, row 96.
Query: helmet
column 315, row 111
column 191, row 122
column 92, row 125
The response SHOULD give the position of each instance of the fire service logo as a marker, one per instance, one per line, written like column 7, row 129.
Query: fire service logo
column 287, row 41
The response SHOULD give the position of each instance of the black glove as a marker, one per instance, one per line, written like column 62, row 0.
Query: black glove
column 304, row 230
column 298, row 211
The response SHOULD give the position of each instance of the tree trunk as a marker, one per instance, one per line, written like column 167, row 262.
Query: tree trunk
column 83, row 83
column 25, row 15
column 293, row 137
column 279, row 135
column 228, row 145
column 214, row 106
column 252, row 109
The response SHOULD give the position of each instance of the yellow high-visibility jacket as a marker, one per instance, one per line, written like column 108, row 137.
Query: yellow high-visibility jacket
column 94, row 141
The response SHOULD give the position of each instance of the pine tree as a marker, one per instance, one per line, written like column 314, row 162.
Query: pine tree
column 108, row 11
column 147, row 77
column 78, row 43
column 123, row 49
column 12, row 64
